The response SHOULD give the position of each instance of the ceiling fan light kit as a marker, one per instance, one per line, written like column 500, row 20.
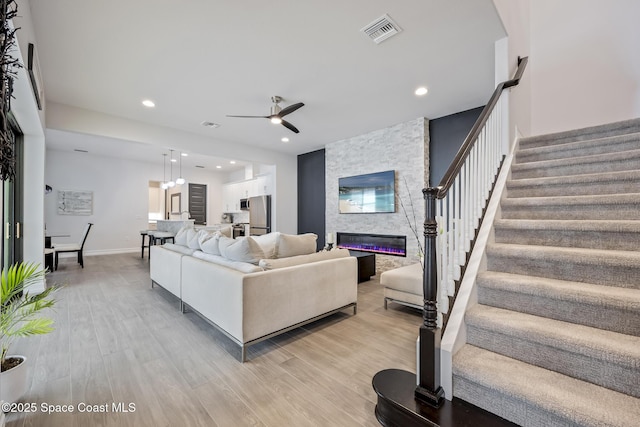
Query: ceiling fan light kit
column 277, row 113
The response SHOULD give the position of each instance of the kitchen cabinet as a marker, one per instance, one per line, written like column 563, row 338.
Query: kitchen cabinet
column 234, row 191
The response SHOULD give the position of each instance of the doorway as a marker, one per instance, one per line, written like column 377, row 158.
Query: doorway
column 198, row 203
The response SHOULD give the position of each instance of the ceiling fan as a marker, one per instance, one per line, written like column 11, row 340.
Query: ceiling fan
column 277, row 113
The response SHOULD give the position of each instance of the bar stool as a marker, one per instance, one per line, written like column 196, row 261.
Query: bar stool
column 159, row 236
column 144, row 233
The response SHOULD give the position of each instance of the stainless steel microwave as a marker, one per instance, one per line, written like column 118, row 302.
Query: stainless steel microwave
column 244, row 204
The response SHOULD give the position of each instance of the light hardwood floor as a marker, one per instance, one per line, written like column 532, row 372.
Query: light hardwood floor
column 117, row 340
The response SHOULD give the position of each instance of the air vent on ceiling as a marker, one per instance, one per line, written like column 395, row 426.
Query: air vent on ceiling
column 210, row 124
column 80, row 151
column 381, row 29
column 200, row 166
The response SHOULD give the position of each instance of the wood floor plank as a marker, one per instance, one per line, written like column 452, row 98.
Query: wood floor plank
column 119, row 341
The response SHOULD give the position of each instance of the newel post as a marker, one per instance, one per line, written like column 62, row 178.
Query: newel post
column 429, row 389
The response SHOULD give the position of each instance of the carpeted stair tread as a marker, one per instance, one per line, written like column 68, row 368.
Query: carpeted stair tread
column 600, row 267
column 586, row 184
column 606, row 358
column 598, row 163
column 582, row 134
column 607, row 307
column 588, row 207
column 580, row 148
column 594, row 234
column 532, row 396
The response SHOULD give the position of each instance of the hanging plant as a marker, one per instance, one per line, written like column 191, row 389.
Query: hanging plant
column 8, row 69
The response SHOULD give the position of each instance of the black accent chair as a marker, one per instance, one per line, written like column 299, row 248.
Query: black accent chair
column 73, row 247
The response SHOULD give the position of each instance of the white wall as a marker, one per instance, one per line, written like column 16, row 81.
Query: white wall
column 120, row 197
column 515, row 18
column 31, row 121
column 586, row 67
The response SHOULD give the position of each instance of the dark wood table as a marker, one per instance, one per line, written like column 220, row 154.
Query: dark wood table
column 366, row 264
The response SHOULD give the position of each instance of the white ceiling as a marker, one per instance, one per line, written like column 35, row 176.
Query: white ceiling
column 203, row 59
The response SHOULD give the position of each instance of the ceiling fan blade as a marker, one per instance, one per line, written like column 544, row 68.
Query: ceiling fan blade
column 289, row 126
column 250, row 117
column 290, row 109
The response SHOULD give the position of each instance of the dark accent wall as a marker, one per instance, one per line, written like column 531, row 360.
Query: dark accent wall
column 312, row 195
column 446, row 135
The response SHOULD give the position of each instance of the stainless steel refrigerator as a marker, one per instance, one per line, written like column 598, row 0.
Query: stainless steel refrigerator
column 259, row 215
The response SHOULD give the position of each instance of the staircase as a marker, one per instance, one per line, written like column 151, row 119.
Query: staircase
column 555, row 338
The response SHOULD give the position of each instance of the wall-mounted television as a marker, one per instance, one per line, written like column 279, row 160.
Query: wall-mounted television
column 370, row 193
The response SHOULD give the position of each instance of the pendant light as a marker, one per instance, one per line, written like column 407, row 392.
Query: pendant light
column 180, row 180
column 171, row 183
column 164, row 185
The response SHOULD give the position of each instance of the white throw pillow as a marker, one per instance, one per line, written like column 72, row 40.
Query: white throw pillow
column 194, row 239
column 204, row 236
column 268, row 243
column 182, row 235
column 291, row 244
column 244, row 250
column 211, row 245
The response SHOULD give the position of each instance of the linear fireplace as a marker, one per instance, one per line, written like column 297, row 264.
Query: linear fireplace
column 377, row 243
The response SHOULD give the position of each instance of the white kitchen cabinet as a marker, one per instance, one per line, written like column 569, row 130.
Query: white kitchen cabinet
column 234, row 191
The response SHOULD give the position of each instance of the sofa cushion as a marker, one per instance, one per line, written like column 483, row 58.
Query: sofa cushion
column 288, row 245
column 267, row 243
column 211, row 245
column 244, row 249
column 179, row 248
column 243, row 267
column 406, row 279
column 271, row 264
column 182, row 235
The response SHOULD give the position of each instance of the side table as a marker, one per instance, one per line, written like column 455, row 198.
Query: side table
column 366, row 264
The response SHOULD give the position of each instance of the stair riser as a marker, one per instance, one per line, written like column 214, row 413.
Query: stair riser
column 598, row 316
column 587, row 149
column 632, row 126
column 578, row 239
column 579, row 189
column 529, row 171
column 508, row 407
column 591, row 369
column 576, row 269
column 624, row 212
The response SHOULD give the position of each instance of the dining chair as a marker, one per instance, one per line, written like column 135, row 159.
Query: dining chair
column 73, row 247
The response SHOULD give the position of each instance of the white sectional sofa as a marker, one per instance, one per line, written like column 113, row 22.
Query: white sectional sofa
column 252, row 301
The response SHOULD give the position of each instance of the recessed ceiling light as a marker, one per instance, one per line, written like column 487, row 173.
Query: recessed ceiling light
column 148, row 103
column 285, row 139
column 184, row 154
column 218, row 167
column 421, row 91
column 233, row 162
column 210, row 124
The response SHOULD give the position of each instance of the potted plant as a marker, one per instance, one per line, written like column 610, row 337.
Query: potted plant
column 20, row 317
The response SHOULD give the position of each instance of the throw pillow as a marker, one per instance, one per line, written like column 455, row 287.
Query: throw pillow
column 211, row 245
column 268, row 243
column 182, row 235
column 227, row 231
column 244, row 250
column 291, row 244
column 194, row 239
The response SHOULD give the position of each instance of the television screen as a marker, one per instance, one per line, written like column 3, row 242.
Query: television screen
column 371, row 193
